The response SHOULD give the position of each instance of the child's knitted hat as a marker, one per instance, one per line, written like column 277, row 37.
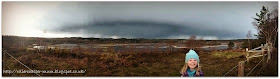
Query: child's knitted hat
column 191, row 54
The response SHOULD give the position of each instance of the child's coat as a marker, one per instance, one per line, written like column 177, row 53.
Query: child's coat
column 187, row 75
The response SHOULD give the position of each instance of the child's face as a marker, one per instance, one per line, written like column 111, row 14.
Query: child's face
column 192, row 63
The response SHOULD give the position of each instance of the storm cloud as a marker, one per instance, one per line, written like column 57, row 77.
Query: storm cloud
column 138, row 29
column 153, row 20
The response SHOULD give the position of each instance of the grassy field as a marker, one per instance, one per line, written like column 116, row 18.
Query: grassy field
column 147, row 63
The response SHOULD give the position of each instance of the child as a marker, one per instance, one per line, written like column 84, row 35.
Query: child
column 191, row 67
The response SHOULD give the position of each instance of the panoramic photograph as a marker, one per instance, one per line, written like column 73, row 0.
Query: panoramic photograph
column 139, row 38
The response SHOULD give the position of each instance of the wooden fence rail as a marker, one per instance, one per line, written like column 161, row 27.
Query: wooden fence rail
column 259, row 53
column 241, row 64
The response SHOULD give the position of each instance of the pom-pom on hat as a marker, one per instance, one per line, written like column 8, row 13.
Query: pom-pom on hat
column 191, row 54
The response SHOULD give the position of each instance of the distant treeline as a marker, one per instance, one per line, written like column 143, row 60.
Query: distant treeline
column 7, row 38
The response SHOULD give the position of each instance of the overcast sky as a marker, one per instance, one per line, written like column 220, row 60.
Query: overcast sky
column 153, row 20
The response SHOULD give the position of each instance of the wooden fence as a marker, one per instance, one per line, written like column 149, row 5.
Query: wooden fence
column 259, row 53
column 241, row 64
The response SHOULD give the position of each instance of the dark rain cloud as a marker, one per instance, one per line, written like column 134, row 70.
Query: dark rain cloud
column 153, row 19
column 138, row 29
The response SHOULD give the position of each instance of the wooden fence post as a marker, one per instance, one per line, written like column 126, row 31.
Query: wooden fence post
column 247, row 56
column 268, row 52
column 263, row 53
column 4, row 59
column 241, row 68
